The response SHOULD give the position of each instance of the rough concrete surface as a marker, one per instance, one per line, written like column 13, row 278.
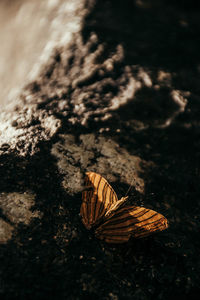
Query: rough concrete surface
column 16, row 207
column 96, row 154
column 119, row 96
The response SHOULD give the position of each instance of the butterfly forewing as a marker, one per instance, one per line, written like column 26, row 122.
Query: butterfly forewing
column 97, row 201
column 131, row 221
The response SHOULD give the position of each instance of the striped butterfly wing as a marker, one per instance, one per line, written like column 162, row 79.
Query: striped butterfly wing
column 96, row 201
column 131, row 221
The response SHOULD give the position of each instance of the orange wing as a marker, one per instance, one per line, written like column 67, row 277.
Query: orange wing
column 131, row 221
column 97, row 202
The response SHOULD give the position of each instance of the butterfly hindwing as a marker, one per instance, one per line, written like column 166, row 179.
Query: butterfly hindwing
column 131, row 221
column 96, row 201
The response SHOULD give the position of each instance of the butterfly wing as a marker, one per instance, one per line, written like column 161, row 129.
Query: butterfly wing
column 96, row 201
column 131, row 221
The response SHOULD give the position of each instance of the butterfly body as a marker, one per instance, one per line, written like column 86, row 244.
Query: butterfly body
column 114, row 222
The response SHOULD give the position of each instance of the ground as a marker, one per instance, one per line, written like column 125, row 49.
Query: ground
column 121, row 99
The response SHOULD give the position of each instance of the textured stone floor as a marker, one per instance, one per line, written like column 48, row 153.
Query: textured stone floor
column 120, row 98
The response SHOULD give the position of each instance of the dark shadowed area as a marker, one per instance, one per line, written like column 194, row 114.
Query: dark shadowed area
column 116, row 93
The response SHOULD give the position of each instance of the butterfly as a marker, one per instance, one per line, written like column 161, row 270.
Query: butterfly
column 113, row 222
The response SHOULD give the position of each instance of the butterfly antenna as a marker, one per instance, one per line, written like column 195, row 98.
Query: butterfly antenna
column 130, row 187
